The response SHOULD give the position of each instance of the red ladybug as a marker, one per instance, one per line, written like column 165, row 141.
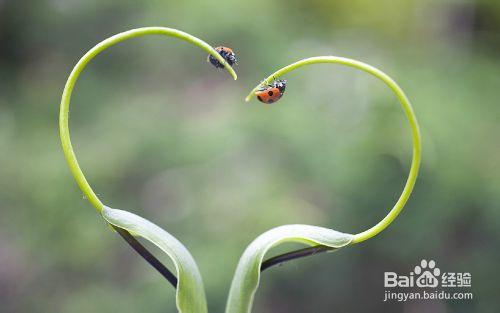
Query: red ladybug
column 272, row 92
column 226, row 53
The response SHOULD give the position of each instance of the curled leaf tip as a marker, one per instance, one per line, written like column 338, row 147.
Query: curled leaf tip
column 247, row 276
column 190, row 294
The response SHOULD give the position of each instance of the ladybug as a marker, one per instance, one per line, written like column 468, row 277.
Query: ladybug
column 226, row 53
column 272, row 92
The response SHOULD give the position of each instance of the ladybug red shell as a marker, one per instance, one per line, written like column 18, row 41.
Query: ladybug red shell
column 272, row 92
column 226, row 53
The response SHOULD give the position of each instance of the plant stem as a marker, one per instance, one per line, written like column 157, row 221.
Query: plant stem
column 64, row 122
column 410, row 115
column 80, row 66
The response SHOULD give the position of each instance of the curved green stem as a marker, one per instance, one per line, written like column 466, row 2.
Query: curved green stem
column 408, row 110
column 80, row 66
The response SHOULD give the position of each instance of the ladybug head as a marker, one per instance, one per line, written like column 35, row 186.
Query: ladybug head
column 229, row 56
column 280, row 84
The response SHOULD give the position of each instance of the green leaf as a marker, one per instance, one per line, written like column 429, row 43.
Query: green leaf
column 190, row 296
column 247, row 276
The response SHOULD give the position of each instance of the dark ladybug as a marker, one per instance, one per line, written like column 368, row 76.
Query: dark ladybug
column 226, row 53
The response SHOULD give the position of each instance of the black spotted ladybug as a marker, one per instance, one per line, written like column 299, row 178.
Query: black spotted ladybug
column 226, row 53
column 272, row 92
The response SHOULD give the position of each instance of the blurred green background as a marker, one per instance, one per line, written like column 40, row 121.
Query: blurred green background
column 161, row 133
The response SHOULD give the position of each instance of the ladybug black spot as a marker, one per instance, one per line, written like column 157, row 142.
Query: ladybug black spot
column 270, row 101
column 260, row 99
column 270, row 93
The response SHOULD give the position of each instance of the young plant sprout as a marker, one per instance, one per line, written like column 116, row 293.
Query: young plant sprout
column 320, row 239
column 190, row 294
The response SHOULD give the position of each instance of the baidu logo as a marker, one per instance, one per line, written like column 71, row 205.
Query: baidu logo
column 427, row 275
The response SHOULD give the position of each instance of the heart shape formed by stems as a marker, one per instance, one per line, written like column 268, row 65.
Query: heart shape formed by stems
column 190, row 294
